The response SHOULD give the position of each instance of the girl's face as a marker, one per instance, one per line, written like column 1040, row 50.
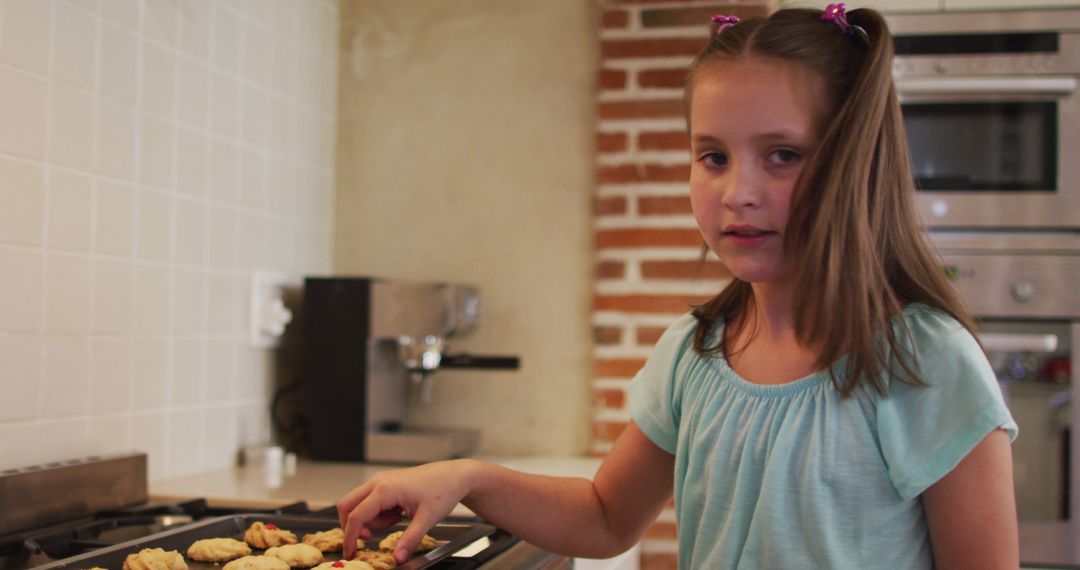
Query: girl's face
column 753, row 123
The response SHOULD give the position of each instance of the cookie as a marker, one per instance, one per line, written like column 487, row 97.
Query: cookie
column 217, row 550
column 155, row 559
column 256, row 563
column 378, row 560
column 344, row 565
column 330, row 540
column 297, row 555
column 261, row 535
column 388, row 543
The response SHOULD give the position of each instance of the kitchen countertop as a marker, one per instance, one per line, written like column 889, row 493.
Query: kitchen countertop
column 321, row 484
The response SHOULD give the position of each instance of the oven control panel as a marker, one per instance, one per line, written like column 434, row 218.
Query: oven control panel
column 1021, row 286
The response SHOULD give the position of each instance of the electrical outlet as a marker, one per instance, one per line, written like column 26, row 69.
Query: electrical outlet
column 268, row 314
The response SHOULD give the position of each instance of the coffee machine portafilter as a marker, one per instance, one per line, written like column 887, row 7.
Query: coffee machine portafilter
column 365, row 341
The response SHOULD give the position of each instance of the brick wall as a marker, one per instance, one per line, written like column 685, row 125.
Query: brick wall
column 647, row 245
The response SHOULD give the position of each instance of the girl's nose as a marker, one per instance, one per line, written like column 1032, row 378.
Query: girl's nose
column 741, row 189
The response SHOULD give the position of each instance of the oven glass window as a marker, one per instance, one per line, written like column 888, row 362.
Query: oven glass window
column 983, row 147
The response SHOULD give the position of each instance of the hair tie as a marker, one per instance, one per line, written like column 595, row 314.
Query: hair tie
column 837, row 14
column 724, row 22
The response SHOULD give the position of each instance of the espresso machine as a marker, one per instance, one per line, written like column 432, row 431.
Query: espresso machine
column 370, row 347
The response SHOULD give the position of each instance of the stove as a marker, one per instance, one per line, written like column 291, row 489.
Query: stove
column 95, row 511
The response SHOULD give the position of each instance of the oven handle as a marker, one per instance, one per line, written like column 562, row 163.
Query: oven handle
column 962, row 85
column 1000, row 342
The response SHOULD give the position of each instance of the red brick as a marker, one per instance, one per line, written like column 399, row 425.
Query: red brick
column 664, row 140
column 642, row 109
column 612, row 79
column 615, row 19
column 635, row 173
column 647, row 237
column 651, row 47
column 648, row 336
column 611, row 142
column 617, row 367
column 610, row 398
column 662, row 78
column 664, row 205
column 684, row 270
column 610, row 270
column 662, row 530
column 647, row 303
column 610, row 206
column 619, row 174
column 607, row 335
column 659, row 561
column 608, row 431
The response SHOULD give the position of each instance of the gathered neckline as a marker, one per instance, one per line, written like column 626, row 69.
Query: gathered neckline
column 775, row 390
column 811, row 380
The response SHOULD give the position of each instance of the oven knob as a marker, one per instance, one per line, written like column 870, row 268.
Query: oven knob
column 941, row 66
column 1023, row 291
column 939, row 208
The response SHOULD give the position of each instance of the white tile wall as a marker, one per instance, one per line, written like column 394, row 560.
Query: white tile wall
column 23, row 110
column 152, row 154
column 23, row 195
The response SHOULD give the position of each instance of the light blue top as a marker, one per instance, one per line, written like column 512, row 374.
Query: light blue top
column 793, row 476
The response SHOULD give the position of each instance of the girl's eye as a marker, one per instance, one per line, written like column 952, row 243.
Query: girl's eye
column 714, row 159
column 783, row 156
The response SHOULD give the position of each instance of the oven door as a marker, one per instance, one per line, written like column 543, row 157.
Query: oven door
column 994, row 151
column 1022, row 290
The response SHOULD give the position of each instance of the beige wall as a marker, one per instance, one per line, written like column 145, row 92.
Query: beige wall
column 465, row 154
column 152, row 153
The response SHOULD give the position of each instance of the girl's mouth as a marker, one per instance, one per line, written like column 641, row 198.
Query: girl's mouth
column 747, row 237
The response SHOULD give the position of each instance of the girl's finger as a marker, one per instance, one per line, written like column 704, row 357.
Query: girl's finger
column 407, row 542
column 348, row 548
column 346, row 504
column 357, row 520
column 385, row 519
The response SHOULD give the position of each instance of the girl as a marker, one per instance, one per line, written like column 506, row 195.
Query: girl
column 830, row 407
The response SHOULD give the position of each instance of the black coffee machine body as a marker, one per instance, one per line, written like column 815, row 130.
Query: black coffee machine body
column 365, row 341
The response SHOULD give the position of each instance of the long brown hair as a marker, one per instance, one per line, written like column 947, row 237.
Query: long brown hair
column 853, row 234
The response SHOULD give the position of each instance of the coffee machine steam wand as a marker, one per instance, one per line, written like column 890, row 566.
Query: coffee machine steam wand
column 421, row 357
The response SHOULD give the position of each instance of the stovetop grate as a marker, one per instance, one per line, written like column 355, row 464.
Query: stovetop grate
column 115, row 526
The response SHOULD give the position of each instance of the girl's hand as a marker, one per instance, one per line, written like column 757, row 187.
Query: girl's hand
column 425, row 494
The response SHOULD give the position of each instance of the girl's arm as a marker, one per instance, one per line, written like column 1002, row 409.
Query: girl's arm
column 572, row 516
column 971, row 511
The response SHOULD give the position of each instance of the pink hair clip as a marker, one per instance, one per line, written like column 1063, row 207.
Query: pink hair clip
column 724, row 22
column 837, row 14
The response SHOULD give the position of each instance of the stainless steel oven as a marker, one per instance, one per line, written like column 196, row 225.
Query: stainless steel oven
column 1024, row 288
column 992, row 111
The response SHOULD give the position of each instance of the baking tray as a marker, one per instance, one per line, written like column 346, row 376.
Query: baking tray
column 453, row 536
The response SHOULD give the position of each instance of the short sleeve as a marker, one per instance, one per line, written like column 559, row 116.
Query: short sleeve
column 925, row 432
column 653, row 390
